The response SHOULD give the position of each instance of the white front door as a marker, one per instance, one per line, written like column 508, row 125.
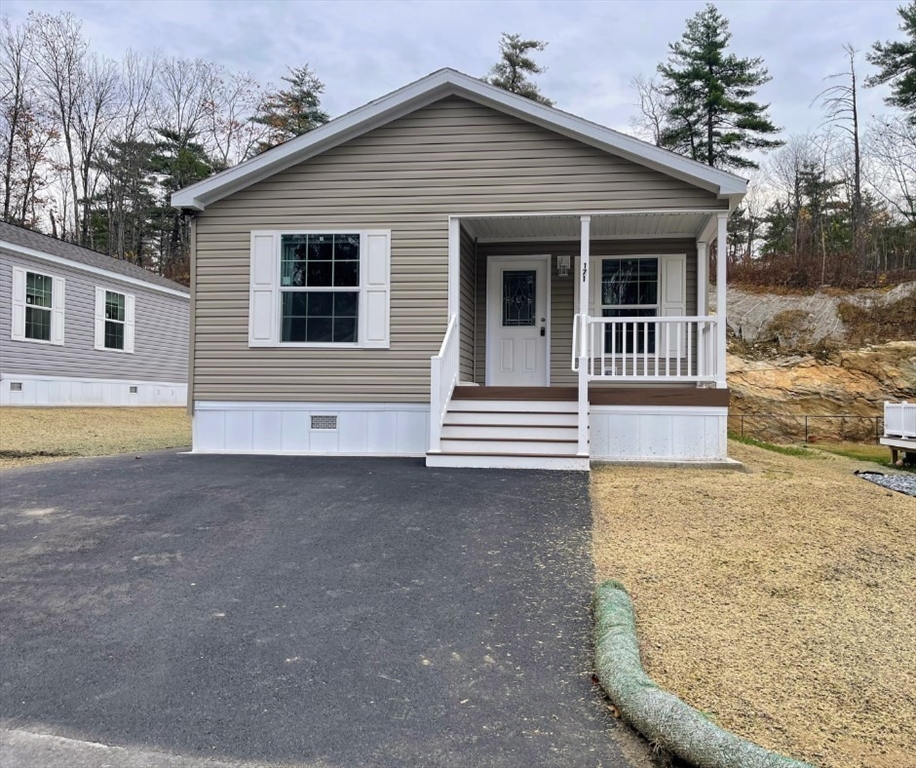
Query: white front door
column 518, row 317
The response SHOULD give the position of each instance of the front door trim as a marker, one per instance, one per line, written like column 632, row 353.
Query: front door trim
column 493, row 318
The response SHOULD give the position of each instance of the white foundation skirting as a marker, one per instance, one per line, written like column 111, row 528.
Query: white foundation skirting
column 28, row 390
column 661, row 433
column 361, row 429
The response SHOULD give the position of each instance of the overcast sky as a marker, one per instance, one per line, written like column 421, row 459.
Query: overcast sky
column 362, row 50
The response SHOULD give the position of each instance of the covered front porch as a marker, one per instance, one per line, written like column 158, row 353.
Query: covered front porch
column 576, row 316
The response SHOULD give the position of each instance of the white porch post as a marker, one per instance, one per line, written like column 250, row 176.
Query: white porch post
column 721, row 262
column 703, row 332
column 454, row 265
column 584, row 252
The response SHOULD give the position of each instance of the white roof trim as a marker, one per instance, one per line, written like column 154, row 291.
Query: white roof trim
column 438, row 85
column 51, row 258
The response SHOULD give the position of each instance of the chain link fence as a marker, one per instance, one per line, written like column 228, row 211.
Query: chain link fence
column 808, row 428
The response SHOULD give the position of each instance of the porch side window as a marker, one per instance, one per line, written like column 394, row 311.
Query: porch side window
column 38, row 303
column 629, row 288
column 319, row 288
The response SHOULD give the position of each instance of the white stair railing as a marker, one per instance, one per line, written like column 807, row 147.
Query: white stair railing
column 443, row 373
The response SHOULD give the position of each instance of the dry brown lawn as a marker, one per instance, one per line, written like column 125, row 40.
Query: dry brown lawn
column 781, row 602
column 34, row 435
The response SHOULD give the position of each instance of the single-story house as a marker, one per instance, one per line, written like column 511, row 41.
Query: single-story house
column 456, row 272
column 78, row 327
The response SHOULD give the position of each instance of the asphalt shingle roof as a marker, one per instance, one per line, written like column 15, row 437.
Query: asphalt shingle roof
column 39, row 242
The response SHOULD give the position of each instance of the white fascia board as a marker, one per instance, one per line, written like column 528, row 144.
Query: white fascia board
column 22, row 250
column 439, row 84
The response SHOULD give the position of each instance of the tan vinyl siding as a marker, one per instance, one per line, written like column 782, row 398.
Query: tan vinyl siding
column 452, row 157
column 562, row 292
column 467, row 310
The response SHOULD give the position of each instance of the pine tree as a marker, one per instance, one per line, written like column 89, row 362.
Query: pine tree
column 515, row 65
column 713, row 118
column 897, row 61
column 292, row 111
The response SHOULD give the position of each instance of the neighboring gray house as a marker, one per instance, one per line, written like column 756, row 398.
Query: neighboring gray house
column 78, row 327
column 456, row 272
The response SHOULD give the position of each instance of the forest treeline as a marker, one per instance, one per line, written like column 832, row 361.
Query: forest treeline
column 92, row 148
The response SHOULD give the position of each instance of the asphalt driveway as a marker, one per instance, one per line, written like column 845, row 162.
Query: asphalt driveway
column 333, row 612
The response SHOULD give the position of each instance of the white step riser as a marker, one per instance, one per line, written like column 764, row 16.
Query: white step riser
column 508, row 462
column 514, row 406
column 499, row 446
column 515, row 419
column 496, row 432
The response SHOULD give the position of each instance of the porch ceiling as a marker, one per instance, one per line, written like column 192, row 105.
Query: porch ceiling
column 603, row 225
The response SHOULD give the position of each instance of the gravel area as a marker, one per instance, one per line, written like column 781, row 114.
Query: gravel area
column 903, row 483
column 38, row 435
column 778, row 601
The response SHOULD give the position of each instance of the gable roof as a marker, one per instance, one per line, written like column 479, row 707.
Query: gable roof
column 29, row 243
column 436, row 86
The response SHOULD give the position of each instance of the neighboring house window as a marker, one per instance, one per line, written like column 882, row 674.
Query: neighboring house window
column 38, row 307
column 320, row 288
column 114, row 320
column 629, row 288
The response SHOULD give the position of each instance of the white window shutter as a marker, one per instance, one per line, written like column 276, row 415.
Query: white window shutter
column 375, row 316
column 129, row 324
column 17, row 326
column 99, row 318
column 58, row 302
column 673, row 298
column 263, row 311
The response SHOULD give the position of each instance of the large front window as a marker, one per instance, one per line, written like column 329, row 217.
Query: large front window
column 38, row 303
column 629, row 288
column 319, row 288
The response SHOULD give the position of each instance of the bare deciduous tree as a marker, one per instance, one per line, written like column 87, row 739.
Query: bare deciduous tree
column 654, row 108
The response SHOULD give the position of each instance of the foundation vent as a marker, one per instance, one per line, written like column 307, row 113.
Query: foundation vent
column 133, row 390
column 15, row 386
column 324, row 422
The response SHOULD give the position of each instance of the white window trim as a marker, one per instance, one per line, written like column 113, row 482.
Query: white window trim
column 265, row 287
column 19, row 305
column 100, row 320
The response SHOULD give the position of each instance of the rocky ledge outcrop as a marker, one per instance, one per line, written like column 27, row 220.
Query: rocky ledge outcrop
column 847, row 382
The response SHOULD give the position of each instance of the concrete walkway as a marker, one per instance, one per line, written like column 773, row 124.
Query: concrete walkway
column 332, row 612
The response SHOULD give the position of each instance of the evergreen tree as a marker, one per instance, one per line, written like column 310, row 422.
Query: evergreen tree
column 120, row 220
column 178, row 160
column 712, row 117
column 292, row 111
column 897, row 61
column 515, row 65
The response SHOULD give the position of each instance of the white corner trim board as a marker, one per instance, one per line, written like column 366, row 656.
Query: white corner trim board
column 660, row 433
column 347, row 429
column 32, row 390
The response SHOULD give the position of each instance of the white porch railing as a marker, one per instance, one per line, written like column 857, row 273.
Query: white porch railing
column 443, row 378
column 647, row 349
column 900, row 420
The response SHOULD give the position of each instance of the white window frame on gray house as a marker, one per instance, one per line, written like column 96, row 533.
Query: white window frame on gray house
column 22, row 302
column 107, row 319
column 268, row 287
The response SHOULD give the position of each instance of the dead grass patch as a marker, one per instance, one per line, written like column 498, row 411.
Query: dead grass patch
column 35, row 435
column 779, row 602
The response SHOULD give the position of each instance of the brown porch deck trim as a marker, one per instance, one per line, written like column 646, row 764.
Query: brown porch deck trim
column 673, row 396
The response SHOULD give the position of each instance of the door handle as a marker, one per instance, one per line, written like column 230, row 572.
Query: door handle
column 543, row 331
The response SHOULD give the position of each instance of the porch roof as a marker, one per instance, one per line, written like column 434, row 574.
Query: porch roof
column 604, row 225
